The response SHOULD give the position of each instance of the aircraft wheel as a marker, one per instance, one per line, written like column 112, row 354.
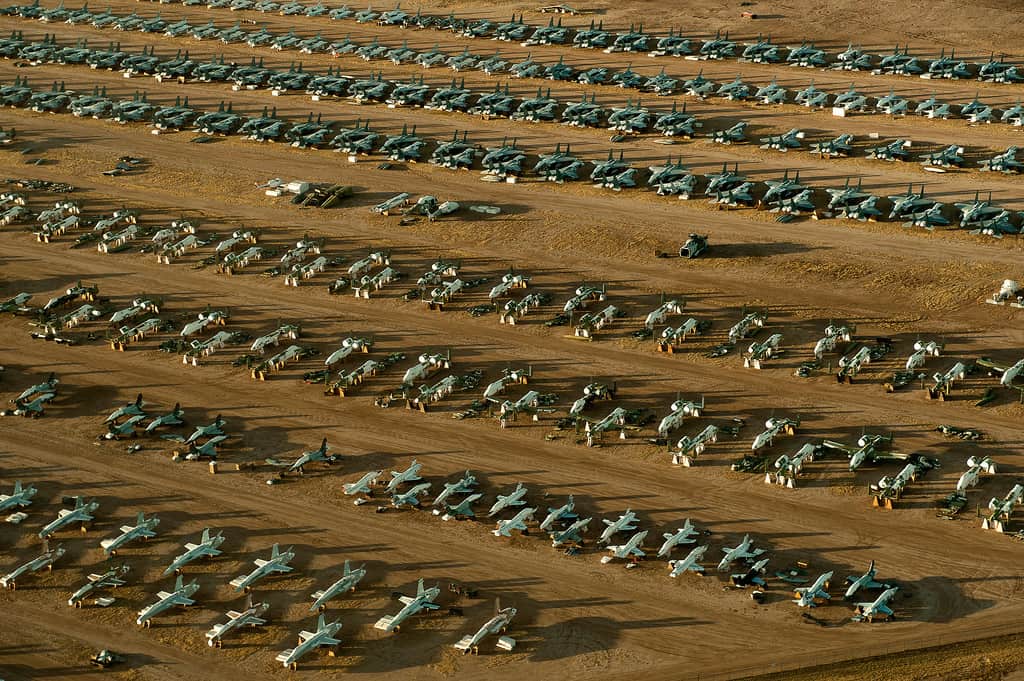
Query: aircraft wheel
column 12, row 586
column 78, row 604
column 148, row 624
column 218, row 644
column 294, row 666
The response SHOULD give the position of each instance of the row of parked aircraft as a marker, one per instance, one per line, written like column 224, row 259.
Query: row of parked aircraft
column 594, row 36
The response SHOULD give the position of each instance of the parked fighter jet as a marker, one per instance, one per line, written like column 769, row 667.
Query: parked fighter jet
column 324, row 636
column 112, row 578
column 631, row 550
column 624, row 523
column 762, row 51
column 592, row 37
column 876, row 608
column 552, row 34
column 691, row 563
column 947, row 67
column 628, row 78
column 144, row 528
column 741, row 551
column 851, row 100
column 773, row 427
column 1007, row 374
column 679, row 537
column 595, row 76
column 504, row 528
column 891, row 151
column 613, row 173
column 276, row 564
column 559, row 165
column 399, row 478
column 514, row 498
column 252, row 616
column 349, row 580
column 20, row 497
column 363, row 486
column 43, row 561
column 311, row 456
column 718, row 47
column 985, row 218
column 528, row 68
column 497, row 625
column 181, row 596
column 411, row 496
column 839, row 147
column 807, row 55
column 783, row 142
column 672, row 45
column 900, row 63
column 629, row 41
column 81, row 513
column 811, row 97
column 864, row 581
column 423, row 600
column 807, row 597
column 672, row 179
column 737, row 133
column 999, row 71
column 1005, row 162
column 773, row 93
column 736, row 90
column 208, row 547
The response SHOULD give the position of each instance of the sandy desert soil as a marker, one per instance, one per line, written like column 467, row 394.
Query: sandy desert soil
column 576, row 617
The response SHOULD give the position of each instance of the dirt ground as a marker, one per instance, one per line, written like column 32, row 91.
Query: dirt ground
column 576, row 617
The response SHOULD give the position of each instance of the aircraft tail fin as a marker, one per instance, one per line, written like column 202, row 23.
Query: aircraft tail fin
column 179, row 583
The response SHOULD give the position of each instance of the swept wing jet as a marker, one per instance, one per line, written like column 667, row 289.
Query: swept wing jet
column 144, row 528
column 324, row 636
column 180, row 597
column 208, row 547
column 347, row 582
column 423, row 600
column 278, row 563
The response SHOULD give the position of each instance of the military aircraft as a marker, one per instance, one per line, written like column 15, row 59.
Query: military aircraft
column 1002, row 509
column 363, row 486
column 807, row 55
column 112, row 578
column 741, row 551
column 559, row 165
column 528, row 68
column 456, row 153
column 1005, row 162
column 324, row 636
column 176, row 117
column 463, row 509
column 593, row 37
column 736, row 90
column 276, row 564
column 811, row 97
column 552, row 34
column 892, row 104
column 398, row 478
column 423, row 600
column 20, row 497
column 695, row 245
column 45, row 560
column 947, row 67
column 631, row 550
column 81, row 513
column 514, row 498
column 394, row 17
column 624, row 523
column 729, row 188
column 975, row 467
column 985, row 218
column 999, row 71
column 763, row 51
column 949, row 157
column 181, row 596
column 853, row 203
column 788, row 468
column 976, row 111
column 932, row 108
column 349, row 580
column 49, row 386
column 594, row 76
column 411, row 496
column 807, row 597
column 513, row 30
column 497, row 103
column 356, row 140
column 478, row 28
column 504, row 528
column 613, row 173
column 677, row 122
column 737, row 133
column 689, row 564
column 773, row 428
column 680, row 409
column 571, row 535
column 539, row 108
column 493, row 64
column 897, row 150
column 144, row 528
column 17, row 303
column 679, row 537
column 462, row 486
column 839, row 147
column 672, row 45
column 672, row 179
column 773, row 93
column 900, row 63
column 718, row 47
column 208, row 547
column 783, row 142
column 889, row 489
column 851, row 100
column 910, row 204
column 865, row 581
column 1008, row 374
column 876, row 608
column 628, row 78
column 130, row 409
column 633, row 40
column 497, row 625
column 762, row 350
column 630, row 119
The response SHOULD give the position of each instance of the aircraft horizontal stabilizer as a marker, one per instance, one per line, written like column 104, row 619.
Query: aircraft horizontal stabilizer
column 506, row 643
column 464, row 643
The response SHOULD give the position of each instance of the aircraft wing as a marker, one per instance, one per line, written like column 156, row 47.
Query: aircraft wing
column 191, row 547
column 282, row 568
column 234, row 614
column 884, row 609
column 163, row 594
column 406, row 600
column 328, row 641
column 260, row 562
column 306, row 635
column 182, row 600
